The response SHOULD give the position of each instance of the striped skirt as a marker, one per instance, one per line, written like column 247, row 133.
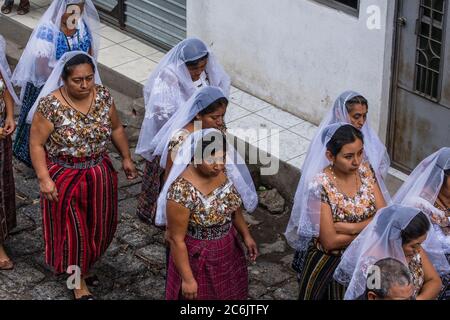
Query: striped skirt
column 316, row 277
column 7, row 190
column 81, row 225
column 151, row 186
column 22, row 140
column 219, row 267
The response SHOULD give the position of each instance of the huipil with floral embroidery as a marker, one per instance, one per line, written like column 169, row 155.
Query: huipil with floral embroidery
column 76, row 134
column 344, row 208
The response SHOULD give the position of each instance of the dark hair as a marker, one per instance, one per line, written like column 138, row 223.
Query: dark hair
column 216, row 141
column 447, row 173
column 343, row 136
column 392, row 272
column 356, row 100
column 194, row 63
column 214, row 106
column 76, row 61
column 416, row 228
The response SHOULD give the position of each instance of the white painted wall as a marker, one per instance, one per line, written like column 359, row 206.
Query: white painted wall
column 300, row 54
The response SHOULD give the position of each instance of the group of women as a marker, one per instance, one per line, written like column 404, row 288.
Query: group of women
column 195, row 185
column 344, row 221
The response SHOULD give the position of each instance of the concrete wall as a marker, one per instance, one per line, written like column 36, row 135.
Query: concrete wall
column 300, row 54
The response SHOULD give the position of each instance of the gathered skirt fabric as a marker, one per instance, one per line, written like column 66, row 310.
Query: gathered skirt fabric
column 316, row 277
column 219, row 267
column 79, row 227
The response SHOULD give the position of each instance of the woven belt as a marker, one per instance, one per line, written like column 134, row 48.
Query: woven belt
column 67, row 163
column 211, row 233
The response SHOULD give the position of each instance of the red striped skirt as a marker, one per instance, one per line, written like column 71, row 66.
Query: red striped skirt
column 81, row 225
column 219, row 267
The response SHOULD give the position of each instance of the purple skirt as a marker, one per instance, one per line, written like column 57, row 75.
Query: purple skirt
column 219, row 267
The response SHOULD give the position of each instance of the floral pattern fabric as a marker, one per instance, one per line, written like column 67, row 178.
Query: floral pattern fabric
column 177, row 140
column 76, row 134
column 214, row 209
column 444, row 221
column 349, row 209
column 418, row 276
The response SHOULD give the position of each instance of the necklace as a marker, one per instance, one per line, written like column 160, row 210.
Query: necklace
column 336, row 181
column 71, row 103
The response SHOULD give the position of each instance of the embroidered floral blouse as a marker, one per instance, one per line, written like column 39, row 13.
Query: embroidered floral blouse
column 416, row 269
column 76, row 134
column 214, row 209
column 344, row 208
column 444, row 222
column 350, row 209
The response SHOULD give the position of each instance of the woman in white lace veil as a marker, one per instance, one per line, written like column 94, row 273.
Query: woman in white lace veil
column 351, row 107
column 396, row 232
column 428, row 189
column 189, row 66
column 210, row 102
column 235, row 168
column 326, row 216
column 186, row 68
column 55, row 80
column 205, row 109
column 201, row 203
column 67, row 25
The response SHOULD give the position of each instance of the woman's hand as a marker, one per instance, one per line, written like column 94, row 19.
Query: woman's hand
column 189, row 289
column 10, row 126
column 129, row 169
column 252, row 248
column 48, row 189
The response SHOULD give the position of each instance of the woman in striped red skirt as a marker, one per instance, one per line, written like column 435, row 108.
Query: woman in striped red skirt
column 7, row 127
column 202, row 198
column 70, row 131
